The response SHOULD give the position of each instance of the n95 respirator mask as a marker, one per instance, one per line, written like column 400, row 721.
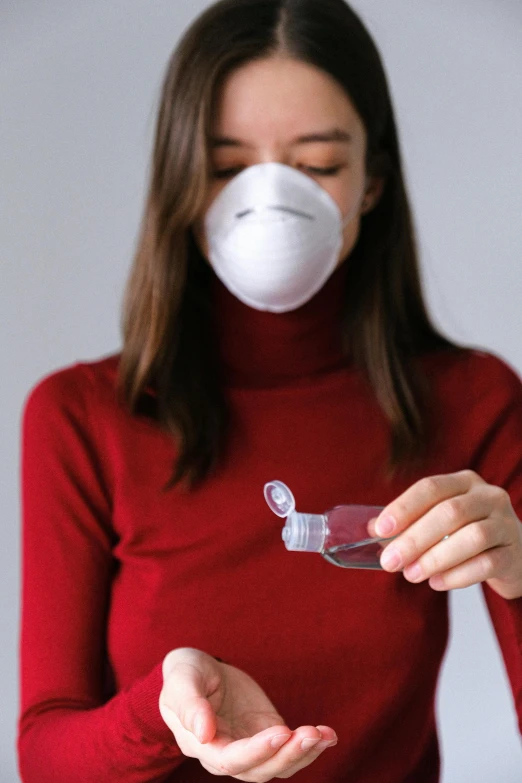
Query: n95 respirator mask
column 274, row 236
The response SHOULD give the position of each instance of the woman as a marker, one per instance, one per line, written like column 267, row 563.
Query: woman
column 274, row 328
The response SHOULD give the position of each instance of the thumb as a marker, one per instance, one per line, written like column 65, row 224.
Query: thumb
column 184, row 696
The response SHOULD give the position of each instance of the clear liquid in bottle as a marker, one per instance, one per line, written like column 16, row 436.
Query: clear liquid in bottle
column 363, row 554
column 347, row 542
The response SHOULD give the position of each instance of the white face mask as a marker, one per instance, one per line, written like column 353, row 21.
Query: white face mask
column 274, row 236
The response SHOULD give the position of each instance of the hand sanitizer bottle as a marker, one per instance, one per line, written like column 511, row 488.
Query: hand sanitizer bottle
column 340, row 535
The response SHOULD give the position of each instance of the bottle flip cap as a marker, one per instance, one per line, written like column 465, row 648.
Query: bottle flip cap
column 279, row 498
column 302, row 532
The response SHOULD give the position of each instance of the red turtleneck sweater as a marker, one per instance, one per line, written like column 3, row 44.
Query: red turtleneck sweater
column 117, row 571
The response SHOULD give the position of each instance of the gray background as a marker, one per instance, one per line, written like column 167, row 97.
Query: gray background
column 78, row 88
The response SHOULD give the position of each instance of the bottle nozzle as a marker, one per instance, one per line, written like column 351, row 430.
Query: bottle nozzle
column 304, row 532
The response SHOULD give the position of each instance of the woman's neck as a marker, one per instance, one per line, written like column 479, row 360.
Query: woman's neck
column 262, row 349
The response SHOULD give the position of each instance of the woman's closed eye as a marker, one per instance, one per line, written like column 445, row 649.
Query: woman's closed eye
column 314, row 171
column 227, row 173
column 318, row 171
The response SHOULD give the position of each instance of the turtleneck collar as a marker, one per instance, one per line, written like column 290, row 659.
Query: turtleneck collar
column 260, row 349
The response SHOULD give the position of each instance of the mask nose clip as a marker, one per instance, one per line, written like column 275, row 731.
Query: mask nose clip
column 292, row 211
column 244, row 213
column 275, row 208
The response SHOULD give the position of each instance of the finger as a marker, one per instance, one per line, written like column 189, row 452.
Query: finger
column 418, row 499
column 328, row 740
column 308, row 758
column 485, row 566
column 465, row 544
column 184, row 696
column 327, row 733
column 306, row 744
column 199, row 724
column 443, row 520
column 242, row 756
column 372, row 527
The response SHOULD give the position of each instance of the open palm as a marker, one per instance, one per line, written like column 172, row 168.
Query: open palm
column 241, row 707
column 220, row 715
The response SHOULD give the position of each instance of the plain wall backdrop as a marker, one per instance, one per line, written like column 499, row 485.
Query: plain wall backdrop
column 78, row 91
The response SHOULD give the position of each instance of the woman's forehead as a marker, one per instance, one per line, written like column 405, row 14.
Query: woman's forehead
column 276, row 97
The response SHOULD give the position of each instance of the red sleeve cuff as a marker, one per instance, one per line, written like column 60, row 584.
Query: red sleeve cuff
column 143, row 703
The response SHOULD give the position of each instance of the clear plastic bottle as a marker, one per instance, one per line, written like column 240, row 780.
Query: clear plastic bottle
column 340, row 535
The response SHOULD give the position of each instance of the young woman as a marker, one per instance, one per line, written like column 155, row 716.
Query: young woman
column 274, row 328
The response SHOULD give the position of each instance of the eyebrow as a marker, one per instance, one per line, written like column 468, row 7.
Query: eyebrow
column 335, row 134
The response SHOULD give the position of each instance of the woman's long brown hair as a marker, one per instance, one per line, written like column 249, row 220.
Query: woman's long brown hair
column 168, row 355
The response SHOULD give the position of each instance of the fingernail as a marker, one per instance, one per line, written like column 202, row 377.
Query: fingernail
column 437, row 582
column 309, row 743
column 278, row 740
column 323, row 744
column 413, row 573
column 386, row 526
column 391, row 559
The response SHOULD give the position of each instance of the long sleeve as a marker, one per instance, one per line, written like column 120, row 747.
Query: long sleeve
column 70, row 727
column 499, row 462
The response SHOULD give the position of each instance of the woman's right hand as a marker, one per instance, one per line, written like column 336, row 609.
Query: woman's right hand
column 221, row 717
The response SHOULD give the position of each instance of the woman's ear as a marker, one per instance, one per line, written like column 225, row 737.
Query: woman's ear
column 373, row 193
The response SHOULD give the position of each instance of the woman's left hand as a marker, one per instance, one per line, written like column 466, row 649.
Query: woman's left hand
column 454, row 530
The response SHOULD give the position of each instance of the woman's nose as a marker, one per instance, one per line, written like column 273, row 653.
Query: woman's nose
column 274, row 156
